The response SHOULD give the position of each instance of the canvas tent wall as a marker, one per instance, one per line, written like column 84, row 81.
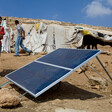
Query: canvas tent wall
column 48, row 39
column 77, row 39
column 53, row 36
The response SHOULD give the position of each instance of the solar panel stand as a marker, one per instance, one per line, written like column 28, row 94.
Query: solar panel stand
column 86, row 76
column 23, row 95
column 5, row 84
column 99, row 74
column 48, row 77
column 103, row 67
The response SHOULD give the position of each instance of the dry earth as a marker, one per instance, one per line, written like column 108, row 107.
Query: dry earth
column 75, row 91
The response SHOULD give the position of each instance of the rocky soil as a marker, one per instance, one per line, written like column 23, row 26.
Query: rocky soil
column 75, row 92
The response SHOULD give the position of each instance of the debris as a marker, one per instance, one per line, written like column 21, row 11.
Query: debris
column 96, row 87
column 98, row 83
column 79, row 71
column 84, row 68
column 110, row 102
column 68, row 110
column 106, row 52
column 105, row 64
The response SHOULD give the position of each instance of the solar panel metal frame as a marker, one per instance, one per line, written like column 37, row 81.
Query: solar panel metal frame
column 57, row 81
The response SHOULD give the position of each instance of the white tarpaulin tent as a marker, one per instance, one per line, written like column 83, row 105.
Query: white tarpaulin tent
column 53, row 36
column 48, row 37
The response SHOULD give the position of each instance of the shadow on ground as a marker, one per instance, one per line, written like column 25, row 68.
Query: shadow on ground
column 5, row 72
column 65, row 91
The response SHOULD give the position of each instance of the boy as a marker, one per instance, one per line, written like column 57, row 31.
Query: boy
column 19, row 40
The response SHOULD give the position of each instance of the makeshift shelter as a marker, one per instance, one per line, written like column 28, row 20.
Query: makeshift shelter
column 78, row 35
column 46, row 37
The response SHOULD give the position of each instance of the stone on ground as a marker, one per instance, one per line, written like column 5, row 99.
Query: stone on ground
column 7, row 99
column 98, row 81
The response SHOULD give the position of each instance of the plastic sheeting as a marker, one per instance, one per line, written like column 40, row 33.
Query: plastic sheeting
column 48, row 38
column 85, row 32
column 51, row 37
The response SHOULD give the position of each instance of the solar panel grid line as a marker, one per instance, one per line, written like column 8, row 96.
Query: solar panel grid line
column 54, row 65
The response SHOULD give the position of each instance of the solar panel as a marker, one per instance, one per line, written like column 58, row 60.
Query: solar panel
column 42, row 74
column 69, row 58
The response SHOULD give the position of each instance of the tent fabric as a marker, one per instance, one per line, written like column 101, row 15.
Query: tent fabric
column 35, row 41
column 77, row 39
column 37, row 26
column 48, row 37
column 85, row 32
column 53, row 36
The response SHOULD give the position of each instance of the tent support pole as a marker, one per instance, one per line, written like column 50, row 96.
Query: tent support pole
column 103, row 67
column 5, row 84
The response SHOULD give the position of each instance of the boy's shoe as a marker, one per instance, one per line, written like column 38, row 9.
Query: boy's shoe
column 29, row 52
column 16, row 55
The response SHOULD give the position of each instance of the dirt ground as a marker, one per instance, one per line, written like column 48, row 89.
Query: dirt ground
column 75, row 91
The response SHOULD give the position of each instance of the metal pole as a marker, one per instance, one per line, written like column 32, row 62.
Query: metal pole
column 103, row 68
column 23, row 94
column 86, row 76
column 5, row 84
column 99, row 74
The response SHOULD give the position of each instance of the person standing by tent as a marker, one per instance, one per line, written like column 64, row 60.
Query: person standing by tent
column 2, row 32
column 19, row 40
column 6, row 38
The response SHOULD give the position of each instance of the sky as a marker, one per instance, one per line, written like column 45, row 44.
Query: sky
column 90, row 12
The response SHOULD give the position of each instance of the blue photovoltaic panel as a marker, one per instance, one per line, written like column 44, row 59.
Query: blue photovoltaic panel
column 36, row 76
column 42, row 74
column 69, row 58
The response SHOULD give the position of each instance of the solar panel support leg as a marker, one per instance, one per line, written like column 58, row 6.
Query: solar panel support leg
column 5, row 84
column 99, row 74
column 23, row 95
column 103, row 67
column 86, row 76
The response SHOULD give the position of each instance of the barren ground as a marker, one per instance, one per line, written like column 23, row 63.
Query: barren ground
column 75, row 91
